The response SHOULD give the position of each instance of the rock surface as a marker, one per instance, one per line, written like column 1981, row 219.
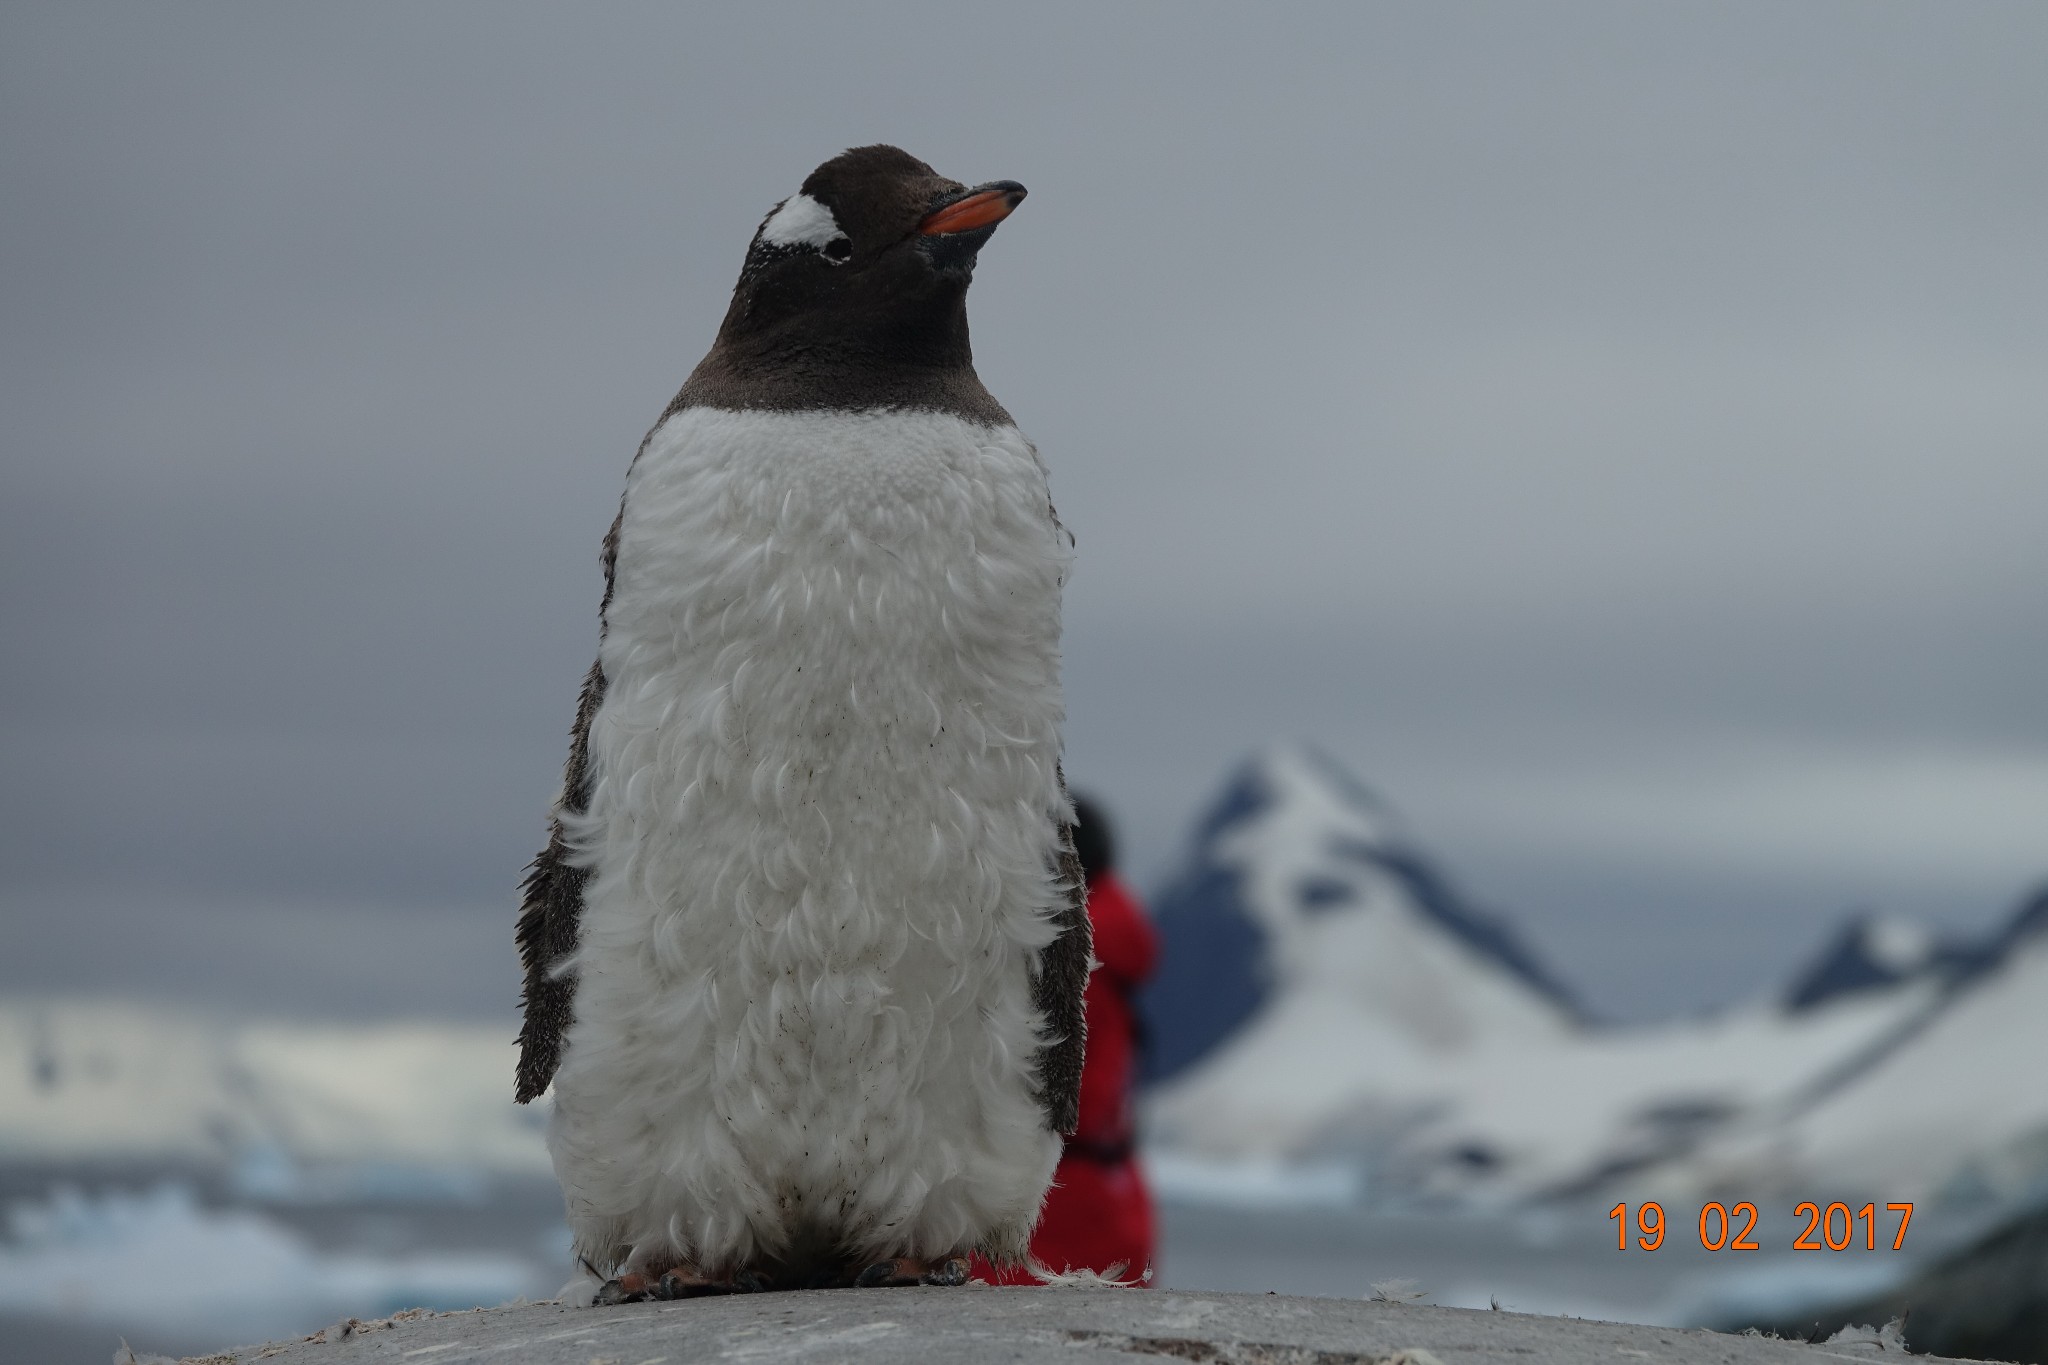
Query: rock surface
column 1024, row 1327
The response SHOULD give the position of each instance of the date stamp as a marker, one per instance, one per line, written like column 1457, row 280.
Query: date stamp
column 1734, row 1228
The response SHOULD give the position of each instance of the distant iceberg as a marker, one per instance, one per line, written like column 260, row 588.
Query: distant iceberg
column 424, row 1104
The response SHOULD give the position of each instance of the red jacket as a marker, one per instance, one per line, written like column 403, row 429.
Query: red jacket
column 1127, row 947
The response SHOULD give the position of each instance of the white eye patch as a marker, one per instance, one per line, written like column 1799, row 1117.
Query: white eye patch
column 801, row 221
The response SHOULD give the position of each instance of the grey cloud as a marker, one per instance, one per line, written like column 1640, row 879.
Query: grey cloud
column 1484, row 390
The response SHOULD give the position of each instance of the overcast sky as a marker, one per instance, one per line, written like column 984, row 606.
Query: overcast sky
column 1617, row 432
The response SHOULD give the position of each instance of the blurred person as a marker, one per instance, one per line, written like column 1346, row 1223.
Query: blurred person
column 1098, row 1214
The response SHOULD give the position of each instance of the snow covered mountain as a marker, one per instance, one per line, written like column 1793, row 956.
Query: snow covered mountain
column 1955, row 1107
column 1876, row 952
column 1325, row 999
column 1298, row 875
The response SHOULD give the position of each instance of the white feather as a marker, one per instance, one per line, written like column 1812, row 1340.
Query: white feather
column 800, row 221
column 820, row 839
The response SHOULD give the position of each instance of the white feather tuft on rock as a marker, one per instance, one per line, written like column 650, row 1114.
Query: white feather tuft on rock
column 1890, row 1337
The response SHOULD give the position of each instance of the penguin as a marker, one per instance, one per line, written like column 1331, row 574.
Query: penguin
column 805, row 953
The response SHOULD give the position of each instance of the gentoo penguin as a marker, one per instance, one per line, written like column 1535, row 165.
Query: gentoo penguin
column 806, row 951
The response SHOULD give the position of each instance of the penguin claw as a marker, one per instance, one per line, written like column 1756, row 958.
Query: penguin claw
column 627, row 1288
column 950, row 1273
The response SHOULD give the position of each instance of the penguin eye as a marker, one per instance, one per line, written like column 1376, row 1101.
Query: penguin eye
column 838, row 250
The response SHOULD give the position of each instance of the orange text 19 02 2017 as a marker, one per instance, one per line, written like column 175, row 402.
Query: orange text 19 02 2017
column 1724, row 1227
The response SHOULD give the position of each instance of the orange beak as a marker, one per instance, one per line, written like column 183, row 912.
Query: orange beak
column 983, row 208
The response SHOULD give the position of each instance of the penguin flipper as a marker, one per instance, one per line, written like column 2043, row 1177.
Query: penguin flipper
column 551, row 897
column 1060, row 992
column 550, row 911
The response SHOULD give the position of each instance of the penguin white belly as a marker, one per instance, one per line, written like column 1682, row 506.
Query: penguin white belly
column 820, row 843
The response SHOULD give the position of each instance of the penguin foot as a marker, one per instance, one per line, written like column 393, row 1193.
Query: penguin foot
column 682, row 1283
column 678, row 1282
column 947, row 1272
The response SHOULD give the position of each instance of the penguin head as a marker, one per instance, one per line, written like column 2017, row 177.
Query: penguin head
column 874, row 253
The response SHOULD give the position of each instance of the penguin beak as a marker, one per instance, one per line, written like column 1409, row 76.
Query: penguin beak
column 981, row 207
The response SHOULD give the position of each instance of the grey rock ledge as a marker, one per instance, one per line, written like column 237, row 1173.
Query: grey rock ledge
column 1091, row 1326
